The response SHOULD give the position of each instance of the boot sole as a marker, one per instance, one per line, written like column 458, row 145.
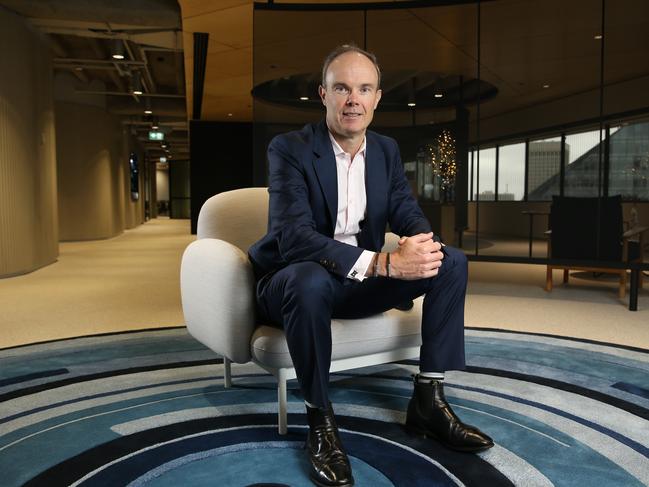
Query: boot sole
column 320, row 484
column 416, row 431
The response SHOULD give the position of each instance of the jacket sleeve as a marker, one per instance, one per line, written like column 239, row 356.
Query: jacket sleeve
column 291, row 219
column 404, row 214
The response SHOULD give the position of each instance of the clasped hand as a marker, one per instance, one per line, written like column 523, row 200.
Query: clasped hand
column 418, row 257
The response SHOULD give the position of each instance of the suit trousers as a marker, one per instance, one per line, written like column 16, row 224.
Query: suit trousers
column 303, row 298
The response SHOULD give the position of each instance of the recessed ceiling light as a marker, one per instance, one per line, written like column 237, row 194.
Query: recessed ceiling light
column 78, row 68
column 229, row 114
column 117, row 49
column 148, row 112
column 411, row 104
column 546, row 86
column 155, row 127
column 598, row 37
column 304, row 98
column 438, row 95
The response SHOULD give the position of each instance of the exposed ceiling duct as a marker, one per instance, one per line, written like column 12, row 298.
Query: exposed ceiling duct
column 134, row 48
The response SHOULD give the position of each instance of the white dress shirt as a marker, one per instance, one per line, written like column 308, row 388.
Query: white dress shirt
column 352, row 203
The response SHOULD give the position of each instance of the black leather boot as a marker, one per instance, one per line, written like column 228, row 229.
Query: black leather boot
column 430, row 415
column 329, row 463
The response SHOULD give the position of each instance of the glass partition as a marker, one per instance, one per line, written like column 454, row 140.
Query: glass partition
column 544, row 168
column 486, row 171
column 629, row 161
column 511, row 172
column 583, row 153
column 498, row 106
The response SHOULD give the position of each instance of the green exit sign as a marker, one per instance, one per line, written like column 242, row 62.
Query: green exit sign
column 155, row 135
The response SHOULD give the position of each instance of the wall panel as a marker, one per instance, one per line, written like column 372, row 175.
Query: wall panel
column 28, row 200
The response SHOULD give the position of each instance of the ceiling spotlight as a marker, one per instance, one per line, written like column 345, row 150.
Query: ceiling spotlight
column 304, row 98
column 148, row 112
column 598, row 37
column 438, row 95
column 147, row 107
column 546, row 86
column 411, row 104
column 118, row 49
column 229, row 114
column 136, row 86
column 155, row 126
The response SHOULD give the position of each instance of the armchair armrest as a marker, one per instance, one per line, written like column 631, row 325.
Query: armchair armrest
column 217, row 286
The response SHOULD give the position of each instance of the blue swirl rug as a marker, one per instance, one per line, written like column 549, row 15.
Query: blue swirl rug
column 149, row 408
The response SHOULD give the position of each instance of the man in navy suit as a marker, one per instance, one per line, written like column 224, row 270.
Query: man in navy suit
column 333, row 188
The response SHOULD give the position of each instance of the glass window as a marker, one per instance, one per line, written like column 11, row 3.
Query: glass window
column 485, row 166
column 511, row 172
column 629, row 161
column 544, row 171
column 582, row 168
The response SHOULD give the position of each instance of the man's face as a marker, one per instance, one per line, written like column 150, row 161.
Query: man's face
column 351, row 94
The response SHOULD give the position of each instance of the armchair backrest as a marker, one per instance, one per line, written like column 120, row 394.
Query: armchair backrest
column 575, row 221
column 239, row 217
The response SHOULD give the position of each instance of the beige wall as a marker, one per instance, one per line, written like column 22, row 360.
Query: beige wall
column 505, row 218
column 93, row 174
column 28, row 203
column 162, row 184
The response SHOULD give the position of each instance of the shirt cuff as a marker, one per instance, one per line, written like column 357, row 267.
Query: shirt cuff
column 361, row 266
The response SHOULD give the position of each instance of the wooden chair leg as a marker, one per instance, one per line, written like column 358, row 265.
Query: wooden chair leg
column 566, row 275
column 640, row 275
column 548, row 279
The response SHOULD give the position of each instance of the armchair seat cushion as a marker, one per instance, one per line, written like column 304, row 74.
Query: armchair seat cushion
column 350, row 338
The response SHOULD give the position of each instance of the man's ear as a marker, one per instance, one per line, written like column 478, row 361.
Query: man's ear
column 321, row 92
column 379, row 92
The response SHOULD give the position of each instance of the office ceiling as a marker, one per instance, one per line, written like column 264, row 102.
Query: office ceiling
column 532, row 52
column 83, row 36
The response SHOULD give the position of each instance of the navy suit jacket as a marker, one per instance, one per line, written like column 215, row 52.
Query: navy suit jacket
column 303, row 189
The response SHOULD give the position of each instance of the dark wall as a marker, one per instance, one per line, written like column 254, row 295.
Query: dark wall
column 221, row 160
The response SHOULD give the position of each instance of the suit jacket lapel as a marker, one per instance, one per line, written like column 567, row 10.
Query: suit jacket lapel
column 376, row 191
column 324, row 164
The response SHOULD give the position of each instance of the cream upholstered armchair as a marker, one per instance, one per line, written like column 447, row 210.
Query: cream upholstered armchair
column 217, row 288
